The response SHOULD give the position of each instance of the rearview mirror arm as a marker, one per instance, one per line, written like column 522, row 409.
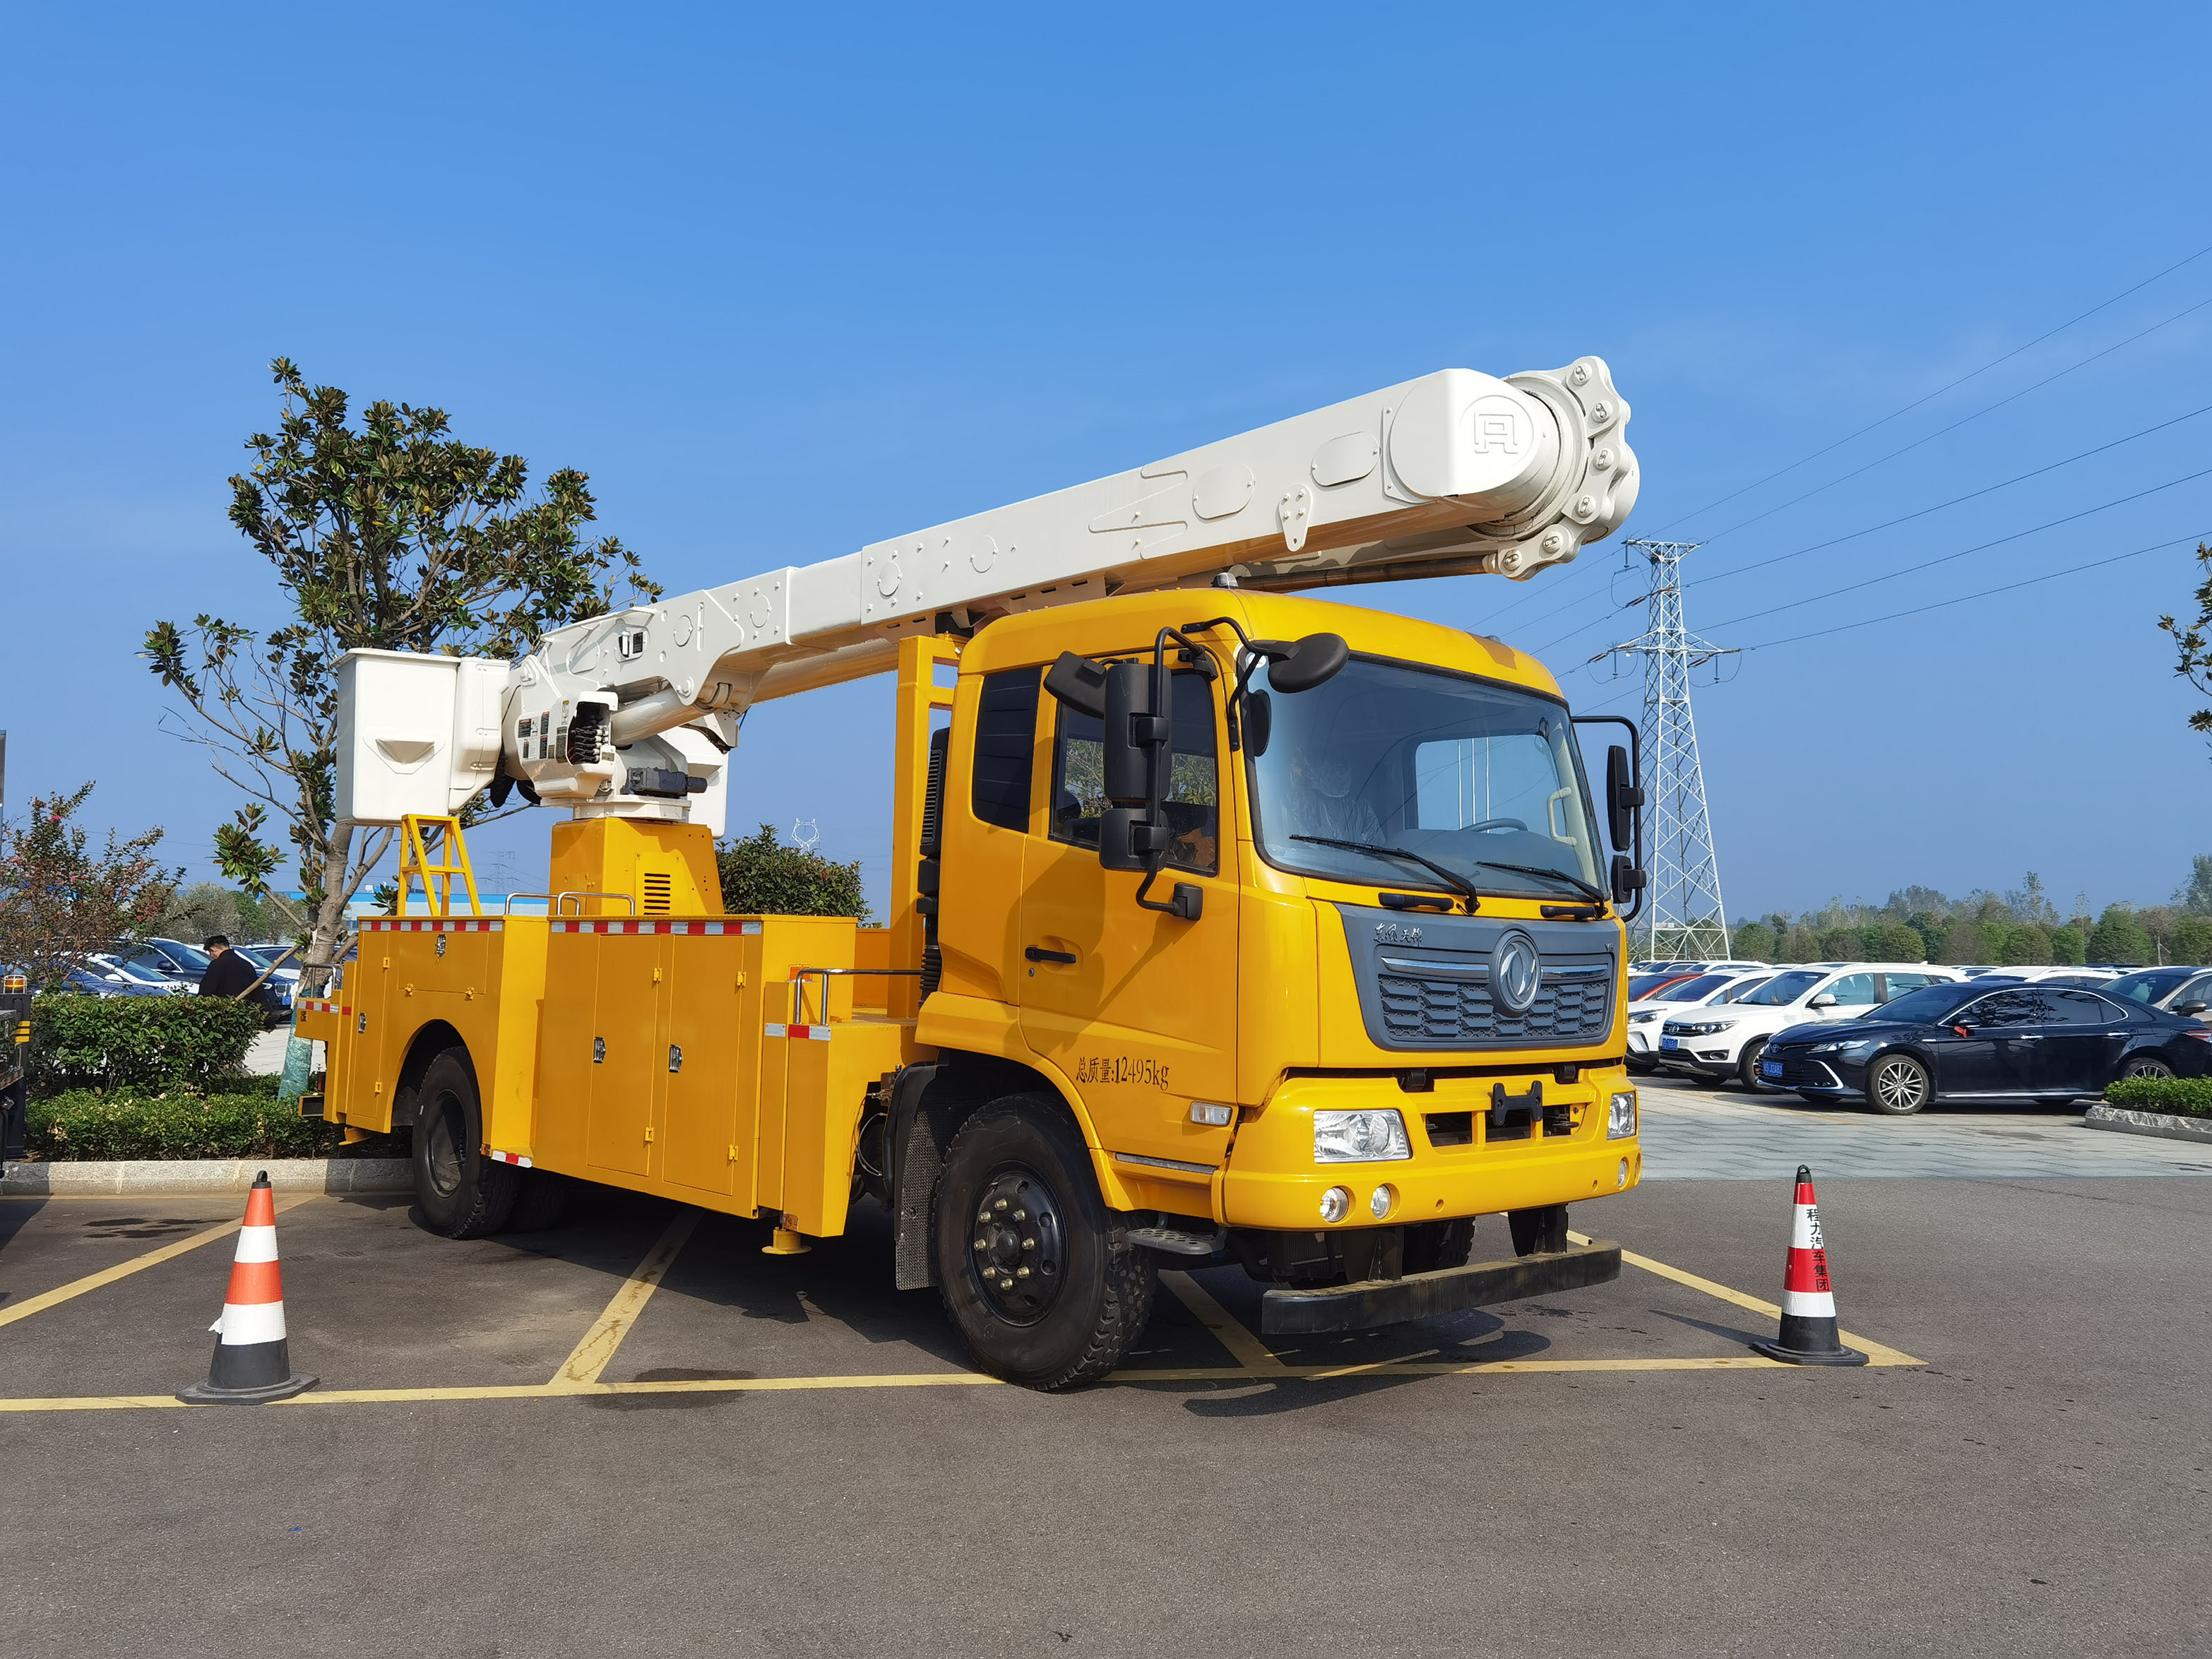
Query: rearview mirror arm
column 1636, row 765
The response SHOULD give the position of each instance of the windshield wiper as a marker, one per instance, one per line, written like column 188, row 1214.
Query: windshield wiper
column 1580, row 885
column 1458, row 884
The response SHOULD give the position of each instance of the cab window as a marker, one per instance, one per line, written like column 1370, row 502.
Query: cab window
column 1193, row 805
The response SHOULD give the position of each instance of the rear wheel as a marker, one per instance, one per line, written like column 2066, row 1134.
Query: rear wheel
column 1037, row 1276
column 2145, row 1065
column 1897, row 1085
column 459, row 1191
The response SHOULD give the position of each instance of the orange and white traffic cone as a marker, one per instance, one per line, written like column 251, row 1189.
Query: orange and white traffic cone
column 1809, row 1300
column 252, row 1361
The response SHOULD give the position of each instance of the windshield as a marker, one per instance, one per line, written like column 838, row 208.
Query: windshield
column 2148, row 985
column 1737, row 992
column 1926, row 1006
column 1475, row 776
column 1641, row 988
column 1783, row 990
column 1692, row 990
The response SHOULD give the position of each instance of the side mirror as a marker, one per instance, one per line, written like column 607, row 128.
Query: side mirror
column 1133, row 732
column 1306, row 663
column 1623, row 796
column 1627, row 879
column 1128, row 838
column 1823, row 1000
column 2186, row 1009
column 1079, row 683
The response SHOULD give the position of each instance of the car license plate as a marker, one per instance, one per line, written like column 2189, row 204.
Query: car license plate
column 1670, row 1043
column 1769, row 1068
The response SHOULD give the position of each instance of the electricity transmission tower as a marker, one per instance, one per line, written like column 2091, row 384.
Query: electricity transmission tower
column 1683, row 918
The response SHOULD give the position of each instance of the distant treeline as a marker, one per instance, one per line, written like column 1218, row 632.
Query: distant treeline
column 2019, row 928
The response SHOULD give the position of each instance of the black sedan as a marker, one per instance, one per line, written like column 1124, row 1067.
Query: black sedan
column 1979, row 1042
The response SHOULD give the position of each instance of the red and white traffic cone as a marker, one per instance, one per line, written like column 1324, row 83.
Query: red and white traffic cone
column 1809, row 1300
column 252, row 1361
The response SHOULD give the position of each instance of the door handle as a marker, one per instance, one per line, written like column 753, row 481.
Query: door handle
column 2035, row 1038
column 1038, row 953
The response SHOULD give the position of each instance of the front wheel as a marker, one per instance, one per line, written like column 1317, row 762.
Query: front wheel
column 1036, row 1275
column 1897, row 1085
column 1746, row 1065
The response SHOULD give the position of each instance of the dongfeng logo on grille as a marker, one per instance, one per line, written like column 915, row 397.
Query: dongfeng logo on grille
column 1516, row 972
column 1391, row 933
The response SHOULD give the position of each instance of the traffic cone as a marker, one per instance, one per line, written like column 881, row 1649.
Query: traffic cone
column 1808, row 1300
column 252, row 1362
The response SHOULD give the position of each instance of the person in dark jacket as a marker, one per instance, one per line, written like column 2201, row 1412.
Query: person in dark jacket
column 229, row 973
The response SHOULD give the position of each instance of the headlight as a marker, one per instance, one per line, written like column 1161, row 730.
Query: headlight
column 1707, row 1027
column 1638, row 1020
column 1620, row 1121
column 1375, row 1136
column 1849, row 1050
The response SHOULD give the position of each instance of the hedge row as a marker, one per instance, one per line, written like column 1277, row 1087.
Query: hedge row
column 146, row 1043
column 85, row 1126
column 2179, row 1096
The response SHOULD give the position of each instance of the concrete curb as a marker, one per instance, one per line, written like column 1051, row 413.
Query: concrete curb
column 2148, row 1123
column 223, row 1174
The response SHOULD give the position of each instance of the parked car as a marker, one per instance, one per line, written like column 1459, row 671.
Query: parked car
column 1641, row 988
column 2061, row 975
column 283, row 980
column 1979, row 1042
column 116, row 972
column 172, row 959
column 1644, row 1015
column 1720, row 1042
column 2177, row 990
column 94, row 977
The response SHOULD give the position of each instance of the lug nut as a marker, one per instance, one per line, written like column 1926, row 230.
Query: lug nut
column 1021, row 1273
column 1000, row 1204
column 1021, row 1215
column 1029, row 1244
column 982, row 1243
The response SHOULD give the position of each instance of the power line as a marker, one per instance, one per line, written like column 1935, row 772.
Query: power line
column 1941, row 389
column 1986, row 592
column 1955, row 425
column 1929, row 564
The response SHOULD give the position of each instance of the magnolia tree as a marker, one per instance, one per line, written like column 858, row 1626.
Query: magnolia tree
column 386, row 534
column 60, row 898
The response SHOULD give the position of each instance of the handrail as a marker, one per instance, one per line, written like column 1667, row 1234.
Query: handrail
column 579, row 893
column 800, row 976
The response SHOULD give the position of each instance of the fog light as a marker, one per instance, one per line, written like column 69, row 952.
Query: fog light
column 1203, row 1112
column 1622, row 1179
column 1620, row 1121
column 1336, row 1202
column 1379, row 1206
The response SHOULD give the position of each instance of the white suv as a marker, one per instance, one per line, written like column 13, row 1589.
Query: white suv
column 1716, row 1043
column 1644, row 1017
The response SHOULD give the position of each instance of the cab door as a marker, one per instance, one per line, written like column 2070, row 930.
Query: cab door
column 1136, row 1008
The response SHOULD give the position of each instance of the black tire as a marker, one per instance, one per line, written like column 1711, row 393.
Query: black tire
column 2145, row 1065
column 541, row 1200
column 1747, row 1065
column 1431, row 1245
column 1543, row 1228
column 1898, row 1085
column 459, row 1192
column 1084, row 1291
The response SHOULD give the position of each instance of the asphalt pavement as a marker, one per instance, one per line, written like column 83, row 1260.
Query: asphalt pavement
column 784, row 1456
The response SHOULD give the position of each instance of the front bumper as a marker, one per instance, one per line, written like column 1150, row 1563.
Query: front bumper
column 1287, row 1312
column 1272, row 1181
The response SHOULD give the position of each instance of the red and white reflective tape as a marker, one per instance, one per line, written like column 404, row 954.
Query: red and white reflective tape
column 253, row 1306
column 801, row 1033
column 1806, row 1291
column 679, row 929
column 515, row 1158
column 411, row 924
column 314, row 1008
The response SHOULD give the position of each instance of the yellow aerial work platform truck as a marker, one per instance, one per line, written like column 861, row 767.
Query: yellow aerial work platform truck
column 1225, row 924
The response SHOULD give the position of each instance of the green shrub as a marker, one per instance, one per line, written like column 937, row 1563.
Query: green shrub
column 2181, row 1097
column 149, row 1043
column 761, row 876
column 84, row 1126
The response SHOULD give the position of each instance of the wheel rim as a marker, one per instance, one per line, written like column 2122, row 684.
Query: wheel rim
column 1901, row 1085
column 441, row 1144
column 1017, row 1245
column 2145, row 1068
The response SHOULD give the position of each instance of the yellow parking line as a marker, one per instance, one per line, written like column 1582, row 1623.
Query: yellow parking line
column 583, row 1366
column 137, row 1264
column 1877, row 1353
column 1248, row 1350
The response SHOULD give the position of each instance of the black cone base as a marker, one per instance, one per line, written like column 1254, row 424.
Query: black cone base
column 1806, row 1341
column 247, row 1374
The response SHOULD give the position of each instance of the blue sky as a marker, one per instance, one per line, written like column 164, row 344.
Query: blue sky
column 786, row 280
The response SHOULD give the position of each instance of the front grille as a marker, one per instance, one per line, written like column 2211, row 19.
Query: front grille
column 1573, row 1004
column 1804, row 1074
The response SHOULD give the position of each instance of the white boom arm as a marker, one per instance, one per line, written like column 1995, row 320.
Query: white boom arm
column 631, row 715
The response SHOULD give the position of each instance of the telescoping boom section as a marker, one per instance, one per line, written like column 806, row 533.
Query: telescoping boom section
column 1225, row 924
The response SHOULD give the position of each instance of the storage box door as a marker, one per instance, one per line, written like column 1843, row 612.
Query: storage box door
column 712, row 1051
column 626, row 1066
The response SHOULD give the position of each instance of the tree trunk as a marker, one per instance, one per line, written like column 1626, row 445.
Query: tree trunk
column 326, row 927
